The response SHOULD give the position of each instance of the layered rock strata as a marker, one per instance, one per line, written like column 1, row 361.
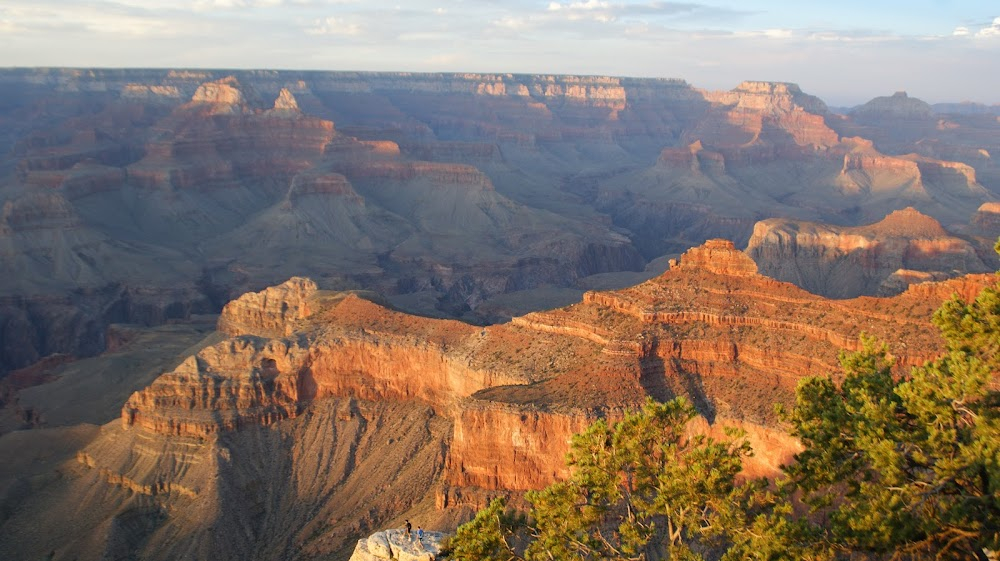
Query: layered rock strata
column 325, row 415
column 711, row 329
column 903, row 248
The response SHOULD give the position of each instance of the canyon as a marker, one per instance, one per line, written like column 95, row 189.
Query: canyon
column 263, row 314
column 314, row 417
column 148, row 196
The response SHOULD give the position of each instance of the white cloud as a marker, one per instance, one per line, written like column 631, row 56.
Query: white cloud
column 588, row 5
column 43, row 18
column 961, row 32
column 511, row 23
column 609, row 12
column 992, row 30
column 334, row 26
column 767, row 34
column 208, row 5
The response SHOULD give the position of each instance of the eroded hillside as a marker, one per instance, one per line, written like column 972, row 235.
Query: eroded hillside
column 145, row 196
column 322, row 416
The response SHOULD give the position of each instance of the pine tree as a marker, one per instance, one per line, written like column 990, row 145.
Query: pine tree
column 487, row 535
column 908, row 468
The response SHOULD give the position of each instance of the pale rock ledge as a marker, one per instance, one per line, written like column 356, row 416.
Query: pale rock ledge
column 393, row 544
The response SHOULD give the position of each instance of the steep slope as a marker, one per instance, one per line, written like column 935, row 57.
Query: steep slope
column 228, row 192
column 900, row 124
column 880, row 258
column 767, row 150
column 46, row 249
column 325, row 415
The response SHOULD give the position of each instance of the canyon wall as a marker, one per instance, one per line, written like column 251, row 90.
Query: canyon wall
column 323, row 415
column 881, row 258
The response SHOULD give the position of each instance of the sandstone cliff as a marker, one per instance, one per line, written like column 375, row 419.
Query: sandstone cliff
column 897, row 106
column 325, row 415
column 881, row 258
column 704, row 329
column 756, row 115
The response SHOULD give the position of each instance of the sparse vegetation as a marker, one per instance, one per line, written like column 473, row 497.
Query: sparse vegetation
column 892, row 469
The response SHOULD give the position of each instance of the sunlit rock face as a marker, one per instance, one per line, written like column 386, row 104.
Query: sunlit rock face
column 776, row 117
column 521, row 389
column 987, row 217
column 905, row 247
column 319, row 417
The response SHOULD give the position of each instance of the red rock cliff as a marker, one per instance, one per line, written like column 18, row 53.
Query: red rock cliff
column 711, row 329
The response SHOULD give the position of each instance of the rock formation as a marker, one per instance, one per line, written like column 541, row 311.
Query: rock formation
column 325, row 415
column 756, row 115
column 394, row 544
column 897, row 106
column 987, row 217
column 904, row 248
column 626, row 344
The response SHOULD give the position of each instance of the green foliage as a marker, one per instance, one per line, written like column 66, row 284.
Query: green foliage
column 642, row 489
column 775, row 534
column 892, row 467
column 973, row 328
column 908, row 468
column 486, row 536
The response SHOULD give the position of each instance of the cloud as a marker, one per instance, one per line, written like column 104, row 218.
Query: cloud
column 984, row 31
column 603, row 11
column 768, row 34
column 44, row 17
column 8, row 26
column 211, row 5
column 991, row 30
column 588, row 5
column 334, row 26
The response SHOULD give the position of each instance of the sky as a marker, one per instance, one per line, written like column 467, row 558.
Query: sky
column 845, row 52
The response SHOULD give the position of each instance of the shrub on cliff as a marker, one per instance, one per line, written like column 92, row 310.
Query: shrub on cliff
column 640, row 489
column 487, row 536
column 892, row 468
column 908, row 468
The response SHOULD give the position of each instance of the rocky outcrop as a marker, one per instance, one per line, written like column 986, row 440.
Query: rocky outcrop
column 198, row 152
column 719, row 257
column 987, row 218
column 711, row 328
column 865, row 170
column 286, row 103
column 151, row 93
column 759, row 114
column 246, row 381
column 845, row 262
column 435, row 173
column 898, row 106
column 395, row 544
column 693, row 158
column 223, row 97
column 272, row 312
